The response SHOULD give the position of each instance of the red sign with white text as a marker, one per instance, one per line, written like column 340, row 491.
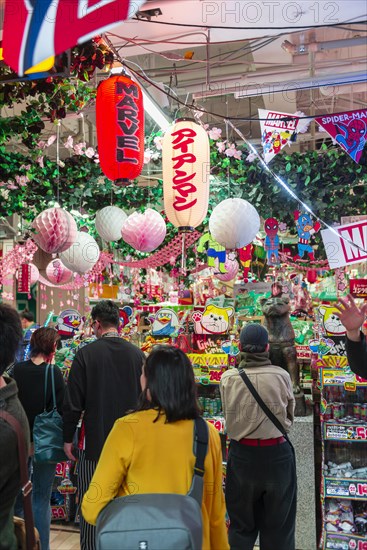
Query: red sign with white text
column 358, row 288
column 345, row 244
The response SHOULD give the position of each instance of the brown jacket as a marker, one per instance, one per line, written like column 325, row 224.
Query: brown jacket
column 243, row 416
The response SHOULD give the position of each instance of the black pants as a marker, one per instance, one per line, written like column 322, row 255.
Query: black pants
column 261, row 496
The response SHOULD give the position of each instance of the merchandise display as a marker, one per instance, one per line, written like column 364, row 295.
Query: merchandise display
column 143, row 163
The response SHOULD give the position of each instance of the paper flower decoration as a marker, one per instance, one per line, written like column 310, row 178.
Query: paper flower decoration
column 231, row 267
column 34, row 273
column 55, row 230
column 234, row 223
column 109, row 222
column 144, row 232
column 82, row 255
column 57, row 273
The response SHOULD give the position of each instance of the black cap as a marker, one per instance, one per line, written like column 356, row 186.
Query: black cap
column 254, row 334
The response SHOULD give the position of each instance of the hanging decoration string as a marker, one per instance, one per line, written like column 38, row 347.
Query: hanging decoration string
column 58, row 161
column 290, row 192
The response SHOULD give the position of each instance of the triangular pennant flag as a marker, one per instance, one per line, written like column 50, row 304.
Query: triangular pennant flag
column 278, row 129
column 348, row 129
column 37, row 31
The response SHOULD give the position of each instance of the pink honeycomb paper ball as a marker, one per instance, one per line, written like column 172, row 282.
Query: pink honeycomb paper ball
column 57, row 273
column 55, row 230
column 231, row 266
column 144, row 231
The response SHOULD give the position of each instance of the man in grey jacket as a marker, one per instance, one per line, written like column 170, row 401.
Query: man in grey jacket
column 261, row 482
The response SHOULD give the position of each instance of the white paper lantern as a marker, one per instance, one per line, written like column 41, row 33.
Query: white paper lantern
column 186, row 163
column 144, row 231
column 82, row 255
column 54, row 230
column 234, row 223
column 109, row 222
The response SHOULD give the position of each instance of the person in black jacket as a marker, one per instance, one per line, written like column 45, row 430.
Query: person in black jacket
column 30, row 378
column 352, row 317
column 10, row 337
column 104, row 383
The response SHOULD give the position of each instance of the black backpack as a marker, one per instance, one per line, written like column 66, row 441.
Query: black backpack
column 158, row 521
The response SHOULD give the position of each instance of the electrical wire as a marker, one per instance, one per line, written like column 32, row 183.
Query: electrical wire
column 204, row 111
column 300, row 27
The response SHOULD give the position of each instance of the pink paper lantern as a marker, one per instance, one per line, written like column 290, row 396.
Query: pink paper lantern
column 55, row 230
column 57, row 273
column 144, row 232
column 232, row 269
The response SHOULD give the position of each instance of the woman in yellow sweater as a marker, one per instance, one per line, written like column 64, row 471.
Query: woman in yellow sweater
column 151, row 450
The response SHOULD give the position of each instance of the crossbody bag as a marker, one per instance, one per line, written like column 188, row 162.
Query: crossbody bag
column 265, row 408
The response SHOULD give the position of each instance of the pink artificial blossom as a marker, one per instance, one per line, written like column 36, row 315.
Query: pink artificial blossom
column 282, row 227
column 50, row 140
column 40, row 161
column 89, row 152
column 41, row 144
column 215, row 133
column 147, row 156
column 22, row 180
column 12, row 186
column 230, row 151
column 158, row 142
column 237, row 154
column 251, row 157
column 69, row 142
column 221, row 146
column 79, row 148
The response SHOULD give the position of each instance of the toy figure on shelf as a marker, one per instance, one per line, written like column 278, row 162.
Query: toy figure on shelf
column 214, row 251
column 271, row 227
column 282, row 351
column 305, row 229
column 245, row 258
column 68, row 323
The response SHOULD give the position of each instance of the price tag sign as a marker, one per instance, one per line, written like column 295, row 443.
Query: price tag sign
column 58, row 512
column 345, row 488
column 349, row 542
column 218, row 423
column 343, row 432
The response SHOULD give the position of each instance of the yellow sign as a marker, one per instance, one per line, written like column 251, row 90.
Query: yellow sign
column 208, row 359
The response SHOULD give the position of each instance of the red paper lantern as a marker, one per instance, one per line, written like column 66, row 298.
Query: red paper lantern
column 120, row 128
column 186, row 162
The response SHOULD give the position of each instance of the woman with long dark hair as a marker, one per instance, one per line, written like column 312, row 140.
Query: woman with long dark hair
column 151, row 449
column 30, row 378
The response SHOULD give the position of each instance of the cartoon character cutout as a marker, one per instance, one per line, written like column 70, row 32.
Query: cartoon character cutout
column 330, row 322
column 213, row 320
column 271, row 227
column 352, row 137
column 68, row 323
column 165, row 322
column 244, row 255
column 215, row 251
column 305, row 229
column 125, row 314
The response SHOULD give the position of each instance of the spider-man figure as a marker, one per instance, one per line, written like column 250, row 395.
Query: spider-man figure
column 271, row 227
column 352, row 137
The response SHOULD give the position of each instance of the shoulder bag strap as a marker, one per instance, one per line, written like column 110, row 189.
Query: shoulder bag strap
column 201, row 439
column 264, row 407
column 25, row 481
column 45, row 390
column 53, row 386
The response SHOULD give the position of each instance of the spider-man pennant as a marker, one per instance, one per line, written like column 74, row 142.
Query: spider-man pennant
column 35, row 31
column 348, row 129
